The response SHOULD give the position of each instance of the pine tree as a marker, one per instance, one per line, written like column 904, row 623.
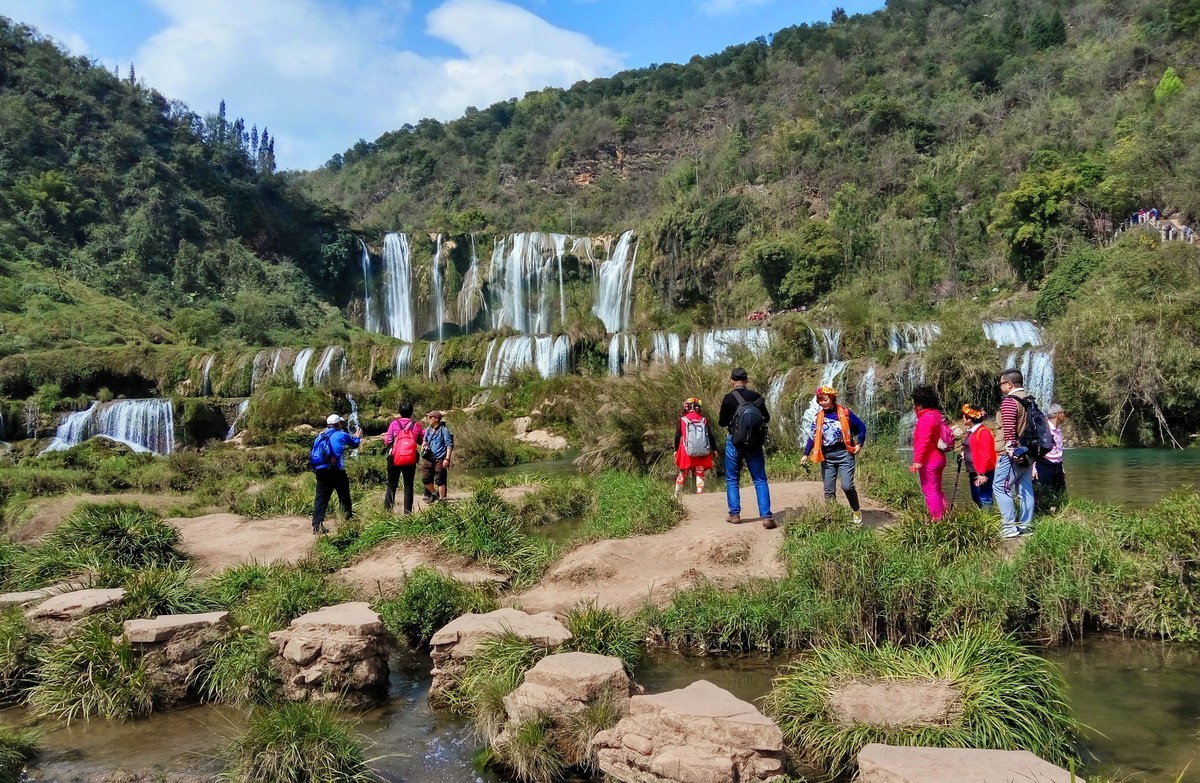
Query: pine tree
column 1047, row 29
column 132, row 75
column 221, row 126
column 254, row 141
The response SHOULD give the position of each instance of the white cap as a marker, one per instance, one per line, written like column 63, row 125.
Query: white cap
column 333, row 419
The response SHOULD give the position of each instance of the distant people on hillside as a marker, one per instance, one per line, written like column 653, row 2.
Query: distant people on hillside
column 328, row 462
column 931, row 440
column 1014, row 471
column 744, row 413
column 979, row 455
column 836, row 438
column 695, row 445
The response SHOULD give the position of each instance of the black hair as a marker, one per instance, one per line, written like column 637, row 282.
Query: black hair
column 406, row 409
column 1013, row 376
column 926, row 396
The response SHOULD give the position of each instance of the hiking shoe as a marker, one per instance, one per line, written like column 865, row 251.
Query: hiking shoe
column 1010, row 533
column 769, row 523
column 1024, row 531
column 734, row 519
column 320, row 530
column 856, row 517
column 429, row 498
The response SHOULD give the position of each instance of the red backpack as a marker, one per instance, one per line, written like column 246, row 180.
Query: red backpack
column 404, row 447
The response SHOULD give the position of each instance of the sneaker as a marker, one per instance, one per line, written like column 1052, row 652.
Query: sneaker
column 430, row 498
column 1024, row 531
column 769, row 523
column 856, row 517
column 734, row 519
column 1011, row 532
column 320, row 530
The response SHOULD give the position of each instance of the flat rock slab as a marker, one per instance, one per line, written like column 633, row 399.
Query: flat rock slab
column 221, row 541
column 891, row 764
column 25, row 597
column 356, row 618
column 896, row 703
column 385, row 569
column 462, row 635
column 76, row 604
column 165, row 627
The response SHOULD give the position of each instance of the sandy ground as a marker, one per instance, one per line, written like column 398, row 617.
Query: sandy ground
column 626, row 572
column 47, row 513
column 219, row 541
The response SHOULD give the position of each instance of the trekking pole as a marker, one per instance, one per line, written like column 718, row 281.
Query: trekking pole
column 957, row 476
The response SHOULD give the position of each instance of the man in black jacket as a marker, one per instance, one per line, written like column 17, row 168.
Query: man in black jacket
column 752, row 455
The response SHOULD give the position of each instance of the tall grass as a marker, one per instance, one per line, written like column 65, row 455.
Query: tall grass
column 19, row 650
column 431, row 599
column 604, row 631
column 491, row 674
column 238, row 670
column 1008, row 698
column 17, row 747
column 628, row 505
column 296, row 743
column 528, row 749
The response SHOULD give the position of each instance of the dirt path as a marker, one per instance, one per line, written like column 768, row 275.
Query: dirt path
column 624, row 573
column 220, row 541
column 47, row 513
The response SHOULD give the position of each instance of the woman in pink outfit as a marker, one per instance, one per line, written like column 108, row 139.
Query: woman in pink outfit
column 929, row 456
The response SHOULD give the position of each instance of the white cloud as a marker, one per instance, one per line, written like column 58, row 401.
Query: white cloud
column 48, row 17
column 322, row 76
column 717, row 7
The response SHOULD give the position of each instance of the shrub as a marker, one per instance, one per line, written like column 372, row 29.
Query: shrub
column 1009, row 698
column 296, row 743
column 238, row 670
column 19, row 645
column 292, row 591
column 430, row 600
column 603, row 631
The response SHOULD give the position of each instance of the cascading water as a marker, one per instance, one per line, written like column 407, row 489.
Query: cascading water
column 333, row 356
column 439, row 296
column 402, row 359
column 622, row 351
column 912, row 338
column 143, row 425
column 1012, row 334
column 300, row 368
column 205, row 379
column 908, row 377
column 397, row 288
column 549, row 355
column 833, row 340
column 371, row 313
column 665, row 348
column 243, row 406
column 433, row 360
column 522, row 278
column 712, row 347
column 1035, row 363
column 470, row 297
column 829, row 375
column 864, row 399
column 614, row 299
column 30, row 413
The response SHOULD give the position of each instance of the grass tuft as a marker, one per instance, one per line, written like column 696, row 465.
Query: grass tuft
column 296, row 743
column 604, row 631
column 17, row 747
column 430, row 600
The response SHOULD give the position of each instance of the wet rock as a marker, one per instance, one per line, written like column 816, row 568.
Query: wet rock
column 700, row 734
column 173, row 647
column 890, row 764
column 544, row 439
column 455, row 642
column 560, row 686
column 339, row 652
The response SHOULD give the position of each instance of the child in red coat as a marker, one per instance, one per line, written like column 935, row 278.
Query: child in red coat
column 694, row 445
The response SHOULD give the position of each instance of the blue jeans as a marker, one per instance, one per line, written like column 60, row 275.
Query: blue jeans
column 1013, row 480
column 982, row 495
column 756, row 463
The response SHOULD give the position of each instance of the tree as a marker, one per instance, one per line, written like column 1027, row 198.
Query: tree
column 798, row 267
column 1168, row 86
column 1027, row 217
column 1047, row 29
column 838, row 15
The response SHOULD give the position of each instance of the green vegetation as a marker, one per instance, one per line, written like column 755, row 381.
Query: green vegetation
column 604, row 631
column 529, row 751
column 17, row 746
column 491, row 674
column 1007, row 698
column 430, row 600
column 296, row 743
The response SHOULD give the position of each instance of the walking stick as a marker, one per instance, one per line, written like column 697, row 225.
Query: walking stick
column 957, row 476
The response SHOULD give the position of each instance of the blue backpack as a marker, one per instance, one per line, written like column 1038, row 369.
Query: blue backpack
column 322, row 452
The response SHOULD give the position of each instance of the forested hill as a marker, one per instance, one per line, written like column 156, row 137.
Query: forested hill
column 108, row 191
column 935, row 144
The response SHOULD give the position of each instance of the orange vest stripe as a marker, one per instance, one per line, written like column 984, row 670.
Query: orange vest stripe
column 843, row 415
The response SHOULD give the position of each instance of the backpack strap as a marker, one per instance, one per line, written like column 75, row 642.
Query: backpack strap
column 738, row 394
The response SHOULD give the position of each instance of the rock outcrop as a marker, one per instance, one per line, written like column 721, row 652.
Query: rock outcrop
column 173, row 647
column 561, row 686
column 458, row 640
column 339, row 652
column 891, row 764
column 56, row 615
column 700, row 734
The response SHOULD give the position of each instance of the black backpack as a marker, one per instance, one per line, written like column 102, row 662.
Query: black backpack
column 748, row 429
column 1036, row 437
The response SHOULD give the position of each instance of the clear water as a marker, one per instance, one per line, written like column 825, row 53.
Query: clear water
column 1132, row 477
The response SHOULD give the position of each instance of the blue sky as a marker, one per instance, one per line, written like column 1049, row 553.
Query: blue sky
column 322, row 74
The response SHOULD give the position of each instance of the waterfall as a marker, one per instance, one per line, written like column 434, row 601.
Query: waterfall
column 397, row 287
column 1012, row 334
column 439, row 302
column 143, row 425
column 433, row 360
column 560, row 250
column 205, row 384
column 712, row 347
column 243, row 406
column 864, row 398
column 470, row 297
column 911, row 374
column 912, row 338
column 833, row 338
column 774, row 393
column 300, row 368
column 622, row 350
column 829, row 375
column 521, row 278
column 370, row 316
column 549, row 355
column 325, row 367
column 30, row 414
column 665, row 348
column 402, row 359
column 614, row 299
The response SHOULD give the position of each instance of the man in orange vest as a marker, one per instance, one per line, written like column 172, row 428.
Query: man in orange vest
column 832, row 444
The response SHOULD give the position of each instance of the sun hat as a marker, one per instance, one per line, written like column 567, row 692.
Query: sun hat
column 333, row 419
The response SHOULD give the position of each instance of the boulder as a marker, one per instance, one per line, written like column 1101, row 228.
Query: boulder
column 58, row 614
column 338, row 652
column 896, row 703
column 699, row 734
column 891, row 764
column 459, row 639
column 173, row 647
column 544, row 439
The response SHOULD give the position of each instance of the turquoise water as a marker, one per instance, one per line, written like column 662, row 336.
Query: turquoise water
column 1132, row 477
